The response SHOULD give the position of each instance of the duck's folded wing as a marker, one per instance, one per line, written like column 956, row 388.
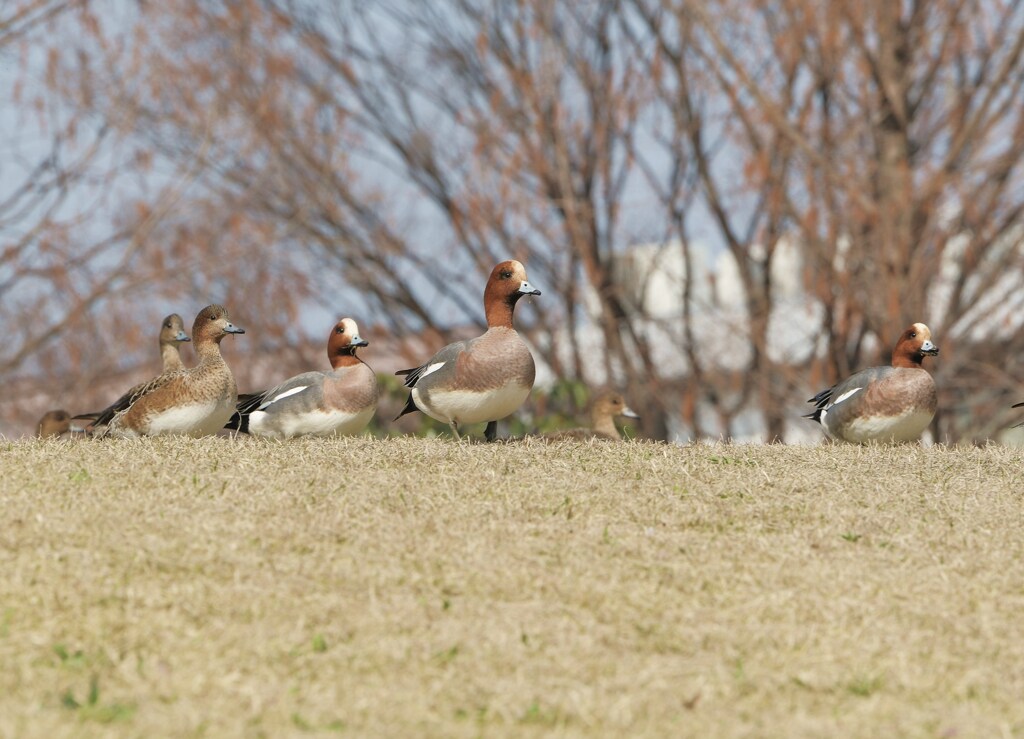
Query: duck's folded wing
column 122, row 404
column 848, row 398
column 434, row 369
column 443, row 359
column 297, row 388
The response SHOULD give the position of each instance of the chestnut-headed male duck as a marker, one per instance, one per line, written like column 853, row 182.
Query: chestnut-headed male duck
column 193, row 402
column 482, row 379
column 341, row 401
column 172, row 334
column 883, row 403
column 56, row 424
column 603, row 412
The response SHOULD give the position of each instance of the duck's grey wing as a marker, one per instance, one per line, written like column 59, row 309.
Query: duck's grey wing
column 435, row 370
column 846, row 399
column 302, row 392
column 443, row 362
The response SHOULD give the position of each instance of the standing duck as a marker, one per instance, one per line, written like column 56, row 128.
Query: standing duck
column 341, row 401
column 483, row 379
column 883, row 403
column 193, row 402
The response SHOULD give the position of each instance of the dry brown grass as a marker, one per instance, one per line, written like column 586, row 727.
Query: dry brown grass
column 419, row 587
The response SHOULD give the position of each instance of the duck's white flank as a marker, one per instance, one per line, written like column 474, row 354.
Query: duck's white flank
column 464, row 406
column 312, row 423
column 905, row 427
column 196, row 419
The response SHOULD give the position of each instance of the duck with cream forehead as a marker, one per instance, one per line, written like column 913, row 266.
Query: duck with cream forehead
column 883, row 403
column 486, row 378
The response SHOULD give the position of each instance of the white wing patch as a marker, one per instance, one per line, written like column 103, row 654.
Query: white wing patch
column 285, row 394
column 432, row 368
column 847, row 394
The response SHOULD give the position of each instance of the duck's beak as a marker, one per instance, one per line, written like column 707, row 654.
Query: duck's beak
column 233, row 329
column 628, row 412
column 182, row 336
column 525, row 288
column 929, row 348
column 357, row 340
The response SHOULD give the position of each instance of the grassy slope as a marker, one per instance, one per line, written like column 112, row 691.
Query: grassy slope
column 414, row 586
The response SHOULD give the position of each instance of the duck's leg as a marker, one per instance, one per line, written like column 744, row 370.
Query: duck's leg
column 491, row 432
column 455, row 429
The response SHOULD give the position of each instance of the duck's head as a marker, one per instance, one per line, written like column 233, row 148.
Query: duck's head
column 914, row 344
column 508, row 283
column 172, row 330
column 612, row 404
column 344, row 340
column 213, row 324
column 53, row 423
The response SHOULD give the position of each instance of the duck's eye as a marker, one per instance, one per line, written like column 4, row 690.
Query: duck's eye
column 339, row 330
column 913, row 334
column 506, row 275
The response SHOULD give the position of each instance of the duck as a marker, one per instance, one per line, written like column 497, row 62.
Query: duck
column 883, row 404
column 339, row 402
column 56, row 424
column 195, row 401
column 172, row 335
column 483, row 379
column 603, row 411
